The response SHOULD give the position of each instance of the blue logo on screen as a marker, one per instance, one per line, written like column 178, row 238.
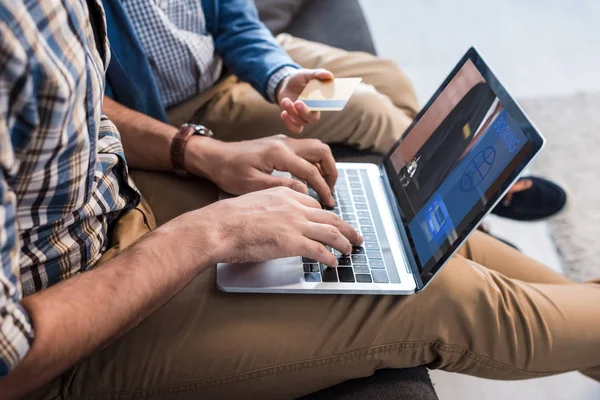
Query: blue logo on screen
column 437, row 219
column 478, row 169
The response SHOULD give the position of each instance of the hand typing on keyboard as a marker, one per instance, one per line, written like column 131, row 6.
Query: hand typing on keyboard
column 244, row 167
column 277, row 223
column 366, row 262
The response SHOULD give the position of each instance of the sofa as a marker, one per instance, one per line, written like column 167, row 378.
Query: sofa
column 341, row 23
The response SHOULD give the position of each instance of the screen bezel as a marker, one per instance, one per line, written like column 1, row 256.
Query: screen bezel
column 535, row 143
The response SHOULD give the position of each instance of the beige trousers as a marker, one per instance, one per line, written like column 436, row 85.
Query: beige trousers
column 491, row 312
column 380, row 110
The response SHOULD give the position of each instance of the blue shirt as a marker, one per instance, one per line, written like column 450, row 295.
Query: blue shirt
column 243, row 42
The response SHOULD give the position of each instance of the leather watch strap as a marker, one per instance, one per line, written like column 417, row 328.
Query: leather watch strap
column 180, row 142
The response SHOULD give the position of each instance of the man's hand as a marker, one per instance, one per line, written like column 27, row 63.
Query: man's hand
column 243, row 167
column 277, row 223
column 295, row 113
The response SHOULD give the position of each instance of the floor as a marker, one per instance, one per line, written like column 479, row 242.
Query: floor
column 537, row 48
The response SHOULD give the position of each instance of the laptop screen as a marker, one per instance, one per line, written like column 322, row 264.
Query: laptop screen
column 453, row 161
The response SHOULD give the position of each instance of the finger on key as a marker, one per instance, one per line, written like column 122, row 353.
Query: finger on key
column 329, row 218
column 316, row 152
column 328, row 235
column 309, row 173
column 317, row 251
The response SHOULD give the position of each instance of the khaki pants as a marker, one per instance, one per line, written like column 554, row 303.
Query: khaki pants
column 491, row 312
column 380, row 110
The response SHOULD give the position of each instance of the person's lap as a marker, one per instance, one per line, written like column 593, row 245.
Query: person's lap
column 378, row 113
column 209, row 344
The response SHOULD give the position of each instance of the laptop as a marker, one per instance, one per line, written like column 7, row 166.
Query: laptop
column 459, row 157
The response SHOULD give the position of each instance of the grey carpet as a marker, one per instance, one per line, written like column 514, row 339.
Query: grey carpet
column 571, row 126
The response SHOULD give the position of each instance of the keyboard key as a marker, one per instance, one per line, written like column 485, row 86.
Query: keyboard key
column 361, row 269
column 356, row 192
column 347, row 210
column 370, row 237
column 336, row 211
column 349, row 217
column 355, row 185
column 312, row 277
column 344, row 202
column 380, row 276
column 328, row 274
column 359, row 199
column 371, row 246
column 374, row 254
column 367, row 229
column 358, row 250
column 363, row 214
column 341, row 173
column 363, row 278
column 351, row 172
column 345, row 274
column 343, row 196
column 376, row 264
column 353, row 178
column 365, row 221
column 311, row 267
column 343, row 261
column 361, row 206
column 353, row 224
column 359, row 259
column 307, row 260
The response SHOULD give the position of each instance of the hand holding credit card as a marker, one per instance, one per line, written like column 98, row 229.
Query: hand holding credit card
column 329, row 95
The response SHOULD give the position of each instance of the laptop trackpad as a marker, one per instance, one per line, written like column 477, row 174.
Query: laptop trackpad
column 273, row 273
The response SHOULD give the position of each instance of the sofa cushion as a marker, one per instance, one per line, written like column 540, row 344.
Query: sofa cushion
column 337, row 23
column 278, row 14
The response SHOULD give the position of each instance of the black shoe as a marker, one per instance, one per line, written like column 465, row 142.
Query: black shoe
column 542, row 200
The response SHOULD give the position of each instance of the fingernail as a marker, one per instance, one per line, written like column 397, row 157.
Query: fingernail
column 300, row 106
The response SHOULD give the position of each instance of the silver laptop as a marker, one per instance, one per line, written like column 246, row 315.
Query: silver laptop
column 455, row 162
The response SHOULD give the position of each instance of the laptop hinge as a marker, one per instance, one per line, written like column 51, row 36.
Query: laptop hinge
column 394, row 207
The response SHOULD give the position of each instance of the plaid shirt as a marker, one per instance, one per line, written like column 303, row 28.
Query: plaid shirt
column 181, row 52
column 63, row 176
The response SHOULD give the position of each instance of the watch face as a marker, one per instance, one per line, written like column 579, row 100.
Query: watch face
column 199, row 129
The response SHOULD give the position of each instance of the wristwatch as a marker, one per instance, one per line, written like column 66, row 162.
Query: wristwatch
column 180, row 141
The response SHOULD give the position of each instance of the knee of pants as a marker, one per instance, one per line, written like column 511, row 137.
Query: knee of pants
column 378, row 123
column 463, row 301
column 472, row 310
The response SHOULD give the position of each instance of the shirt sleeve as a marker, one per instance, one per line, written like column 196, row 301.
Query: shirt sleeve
column 16, row 331
column 248, row 48
column 276, row 79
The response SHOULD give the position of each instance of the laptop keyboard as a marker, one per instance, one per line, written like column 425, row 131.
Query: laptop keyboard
column 367, row 263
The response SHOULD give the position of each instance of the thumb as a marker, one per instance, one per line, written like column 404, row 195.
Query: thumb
column 270, row 181
column 320, row 74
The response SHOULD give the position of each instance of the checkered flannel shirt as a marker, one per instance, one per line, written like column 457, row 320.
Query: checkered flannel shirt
column 181, row 52
column 63, row 177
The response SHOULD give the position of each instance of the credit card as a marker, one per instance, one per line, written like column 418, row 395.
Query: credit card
column 329, row 95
